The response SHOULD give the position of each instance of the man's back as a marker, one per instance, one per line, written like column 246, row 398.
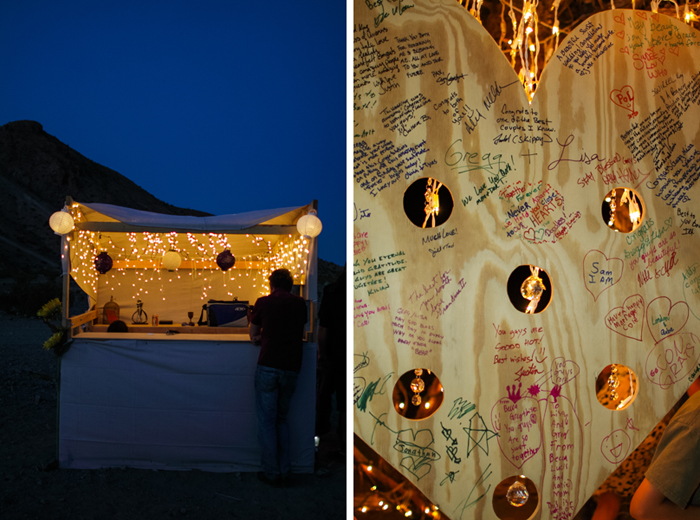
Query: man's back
column 282, row 316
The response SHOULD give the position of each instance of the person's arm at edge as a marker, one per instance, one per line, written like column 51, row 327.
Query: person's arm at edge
column 649, row 503
column 255, row 333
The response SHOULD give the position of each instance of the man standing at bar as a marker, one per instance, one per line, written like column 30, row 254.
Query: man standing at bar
column 277, row 323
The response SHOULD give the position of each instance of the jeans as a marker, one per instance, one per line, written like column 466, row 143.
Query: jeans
column 273, row 393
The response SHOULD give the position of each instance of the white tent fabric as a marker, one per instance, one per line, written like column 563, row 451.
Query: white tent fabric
column 172, row 403
column 96, row 212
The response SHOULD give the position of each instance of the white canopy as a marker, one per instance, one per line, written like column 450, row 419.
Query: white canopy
column 101, row 217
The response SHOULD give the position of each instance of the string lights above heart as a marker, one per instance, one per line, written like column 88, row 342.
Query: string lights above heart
column 533, row 34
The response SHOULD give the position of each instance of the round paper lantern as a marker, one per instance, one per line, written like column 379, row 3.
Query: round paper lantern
column 61, row 222
column 309, row 225
column 171, row 260
column 225, row 260
column 103, row 262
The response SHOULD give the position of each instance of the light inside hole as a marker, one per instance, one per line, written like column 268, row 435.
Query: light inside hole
column 623, row 210
column 516, row 498
column 428, row 203
column 529, row 289
column 616, row 387
column 417, row 394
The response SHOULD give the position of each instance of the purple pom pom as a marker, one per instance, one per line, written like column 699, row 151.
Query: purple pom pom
column 103, row 262
column 225, row 260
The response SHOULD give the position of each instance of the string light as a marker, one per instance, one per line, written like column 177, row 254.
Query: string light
column 141, row 255
column 525, row 43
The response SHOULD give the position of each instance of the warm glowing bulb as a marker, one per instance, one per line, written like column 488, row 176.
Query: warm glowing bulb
column 555, row 30
column 532, row 47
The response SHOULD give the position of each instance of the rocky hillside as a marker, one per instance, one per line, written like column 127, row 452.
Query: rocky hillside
column 37, row 172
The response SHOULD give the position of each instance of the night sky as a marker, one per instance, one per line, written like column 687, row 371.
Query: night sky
column 220, row 106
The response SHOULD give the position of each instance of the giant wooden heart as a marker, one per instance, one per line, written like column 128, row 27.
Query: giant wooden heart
column 440, row 123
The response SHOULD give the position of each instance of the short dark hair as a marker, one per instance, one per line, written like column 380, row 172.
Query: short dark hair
column 117, row 326
column 281, row 279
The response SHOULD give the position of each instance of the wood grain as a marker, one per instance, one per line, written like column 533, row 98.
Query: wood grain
column 617, row 107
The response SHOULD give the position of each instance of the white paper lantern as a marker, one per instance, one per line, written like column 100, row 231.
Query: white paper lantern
column 171, row 260
column 61, row 222
column 309, row 225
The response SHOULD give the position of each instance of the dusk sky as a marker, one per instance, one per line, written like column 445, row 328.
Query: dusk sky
column 220, row 106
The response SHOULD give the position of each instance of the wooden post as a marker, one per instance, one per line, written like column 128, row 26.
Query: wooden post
column 65, row 272
column 310, row 288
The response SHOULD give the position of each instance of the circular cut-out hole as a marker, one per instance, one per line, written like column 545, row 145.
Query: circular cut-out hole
column 623, row 210
column 529, row 289
column 616, row 387
column 428, row 202
column 516, row 498
column 417, row 394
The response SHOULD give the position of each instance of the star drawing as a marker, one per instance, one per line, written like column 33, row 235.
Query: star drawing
column 478, row 435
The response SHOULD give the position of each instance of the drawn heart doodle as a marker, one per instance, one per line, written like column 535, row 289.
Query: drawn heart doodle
column 628, row 319
column 417, row 445
column 624, row 98
column 619, row 18
column 664, row 319
column 600, row 272
column 518, row 427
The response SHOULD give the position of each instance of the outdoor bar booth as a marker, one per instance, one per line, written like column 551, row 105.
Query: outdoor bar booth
column 176, row 390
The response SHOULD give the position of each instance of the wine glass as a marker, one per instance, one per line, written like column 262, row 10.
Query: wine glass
column 190, row 315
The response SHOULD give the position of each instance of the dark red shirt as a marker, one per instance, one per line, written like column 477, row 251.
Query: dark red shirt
column 282, row 316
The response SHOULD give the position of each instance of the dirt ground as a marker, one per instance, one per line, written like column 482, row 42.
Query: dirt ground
column 31, row 487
